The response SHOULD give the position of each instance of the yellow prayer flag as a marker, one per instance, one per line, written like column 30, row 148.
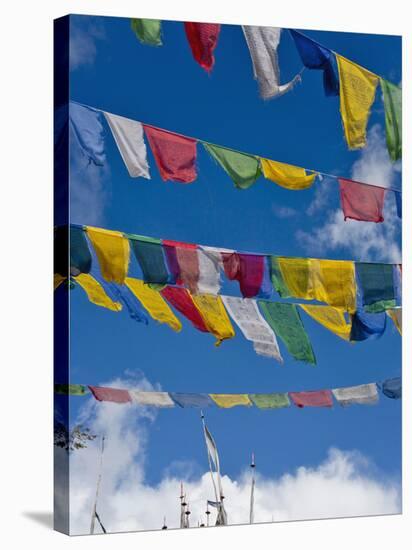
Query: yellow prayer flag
column 95, row 292
column 357, row 93
column 57, row 280
column 329, row 281
column 154, row 303
column 330, row 317
column 396, row 316
column 113, row 252
column 286, row 175
column 214, row 315
column 228, row 400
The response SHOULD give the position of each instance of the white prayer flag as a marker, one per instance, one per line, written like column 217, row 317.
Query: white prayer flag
column 154, row 398
column 263, row 43
column 365, row 394
column 246, row 314
column 128, row 135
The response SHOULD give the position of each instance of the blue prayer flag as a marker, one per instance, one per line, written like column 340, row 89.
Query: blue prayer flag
column 86, row 126
column 392, row 388
column 366, row 326
column 315, row 56
column 191, row 399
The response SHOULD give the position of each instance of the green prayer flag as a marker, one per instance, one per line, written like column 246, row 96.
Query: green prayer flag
column 270, row 400
column 277, row 278
column 148, row 31
column 285, row 321
column 242, row 168
column 392, row 100
column 70, row 389
column 151, row 258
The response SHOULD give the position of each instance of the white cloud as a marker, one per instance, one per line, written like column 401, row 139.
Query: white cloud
column 83, row 38
column 283, row 212
column 341, row 485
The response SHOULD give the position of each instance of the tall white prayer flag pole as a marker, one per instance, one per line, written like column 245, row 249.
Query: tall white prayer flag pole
column 99, row 479
column 252, row 491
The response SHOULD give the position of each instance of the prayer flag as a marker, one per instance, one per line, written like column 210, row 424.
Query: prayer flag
column 376, row 286
column 329, row 281
column 175, row 155
column 247, row 316
column 200, row 400
column 110, row 394
column 151, row 398
column 151, row 258
column 286, row 175
column 263, row 44
column 128, row 135
column 123, row 295
column 227, row 401
column 181, row 299
column 113, row 251
column 57, row 280
column 392, row 100
column 242, row 168
column 357, row 94
column 148, row 31
column 330, row 317
column 86, row 127
column 214, row 315
column 315, row 56
column 70, row 389
column 361, row 202
column 367, row 326
column 210, row 263
column 154, row 303
column 396, row 316
column 285, row 321
column 270, row 400
column 96, row 293
column 248, row 269
column 212, row 450
column 80, row 256
column 365, row 394
column 392, row 388
column 184, row 263
column 276, row 276
column 321, row 398
column 202, row 38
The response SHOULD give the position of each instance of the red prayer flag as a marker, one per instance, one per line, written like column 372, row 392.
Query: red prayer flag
column 110, row 394
column 182, row 301
column 361, row 202
column 248, row 269
column 203, row 38
column 175, row 155
column 183, row 262
column 321, row 398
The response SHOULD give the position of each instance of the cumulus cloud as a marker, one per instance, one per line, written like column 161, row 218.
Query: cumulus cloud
column 84, row 35
column 342, row 485
column 364, row 240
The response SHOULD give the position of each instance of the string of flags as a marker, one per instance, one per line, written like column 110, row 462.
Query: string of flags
column 185, row 278
column 363, row 394
column 342, row 77
column 176, row 159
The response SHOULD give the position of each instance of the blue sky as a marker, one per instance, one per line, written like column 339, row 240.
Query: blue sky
column 164, row 86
